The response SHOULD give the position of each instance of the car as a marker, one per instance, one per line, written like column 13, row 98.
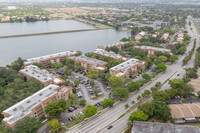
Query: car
column 62, row 123
column 109, row 127
column 74, row 107
column 92, row 97
column 100, row 93
column 81, row 113
column 96, row 105
column 178, row 74
column 70, row 110
column 70, row 119
column 84, row 74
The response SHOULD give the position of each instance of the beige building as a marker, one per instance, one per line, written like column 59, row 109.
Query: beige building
column 90, row 63
column 111, row 54
column 50, row 59
column 33, row 105
column 124, row 69
column 43, row 76
column 117, row 44
column 151, row 50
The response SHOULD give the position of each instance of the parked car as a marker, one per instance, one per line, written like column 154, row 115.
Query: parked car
column 109, row 127
column 70, row 110
column 100, row 93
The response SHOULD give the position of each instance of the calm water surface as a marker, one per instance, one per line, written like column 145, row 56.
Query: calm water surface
column 33, row 46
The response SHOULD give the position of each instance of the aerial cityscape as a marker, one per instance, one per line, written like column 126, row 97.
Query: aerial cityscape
column 100, row 66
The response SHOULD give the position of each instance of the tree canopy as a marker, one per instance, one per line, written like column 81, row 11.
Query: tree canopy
column 54, row 125
column 90, row 110
column 108, row 102
column 138, row 115
column 121, row 92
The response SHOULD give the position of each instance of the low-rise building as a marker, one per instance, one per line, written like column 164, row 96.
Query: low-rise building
column 33, row 105
column 90, row 63
column 50, row 59
column 165, row 36
column 154, row 127
column 180, row 37
column 139, row 36
column 111, row 54
column 151, row 50
column 117, row 44
column 126, row 68
column 43, row 76
column 182, row 113
column 196, row 82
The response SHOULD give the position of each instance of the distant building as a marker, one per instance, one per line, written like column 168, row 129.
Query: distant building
column 33, row 105
column 90, row 63
column 196, row 82
column 180, row 37
column 165, row 36
column 50, row 59
column 118, row 44
column 139, row 36
column 155, row 34
column 151, row 50
column 124, row 69
column 153, row 127
column 183, row 113
column 111, row 54
column 43, row 76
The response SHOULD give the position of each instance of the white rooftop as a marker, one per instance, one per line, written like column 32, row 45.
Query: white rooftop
column 108, row 54
column 92, row 61
column 46, row 57
column 35, row 72
column 114, row 44
column 153, row 48
column 24, row 107
column 126, row 65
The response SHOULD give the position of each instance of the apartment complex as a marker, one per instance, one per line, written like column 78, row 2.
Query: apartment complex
column 50, row 59
column 151, row 50
column 182, row 113
column 118, row 44
column 111, row 54
column 90, row 63
column 153, row 127
column 124, row 69
column 43, row 76
column 33, row 105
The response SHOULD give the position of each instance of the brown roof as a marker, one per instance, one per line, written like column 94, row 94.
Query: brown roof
column 185, row 110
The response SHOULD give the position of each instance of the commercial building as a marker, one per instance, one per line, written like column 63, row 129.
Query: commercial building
column 117, row 44
column 43, row 76
column 50, row 59
column 151, row 50
column 126, row 68
column 111, row 54
column 90, row 63
column 33, row 105
column 153, row 127
column 182, row 113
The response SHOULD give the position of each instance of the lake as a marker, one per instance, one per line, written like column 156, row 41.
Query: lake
column 34, row 46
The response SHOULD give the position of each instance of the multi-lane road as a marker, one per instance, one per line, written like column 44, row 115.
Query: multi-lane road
column 110, row 117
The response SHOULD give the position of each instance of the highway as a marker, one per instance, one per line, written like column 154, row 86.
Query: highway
column 110, row 117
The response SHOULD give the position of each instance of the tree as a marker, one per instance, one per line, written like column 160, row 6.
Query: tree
column 90, row 110
column 147, row 77
column 18, row 64
column 129, row 124
column 139, row 98
column 191, row 73
column 58, row 65
column 55, row 108
column 126, row 106
column 115, row 81
column 138, row 116
column 27, row 125
column 92, row 82
column 134, row 85
column 113, row 49
column 161, row 96
column 147, row 108
column 82, row 102
column 161, row 110
column 153, row 56
column 121, row 92
column 5, row 129
column 146, row 93
column 125, row 40
column 108, row 102
column 76, row 82
column 161, row 67
column 173, row 58
column 40, row 65
column 163, row 58
column 92, row 74
column 54, row 125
